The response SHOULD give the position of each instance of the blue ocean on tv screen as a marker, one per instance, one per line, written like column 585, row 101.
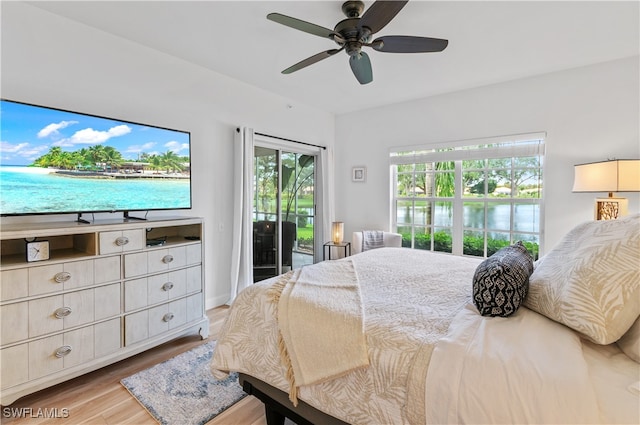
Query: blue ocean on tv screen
column 56, row 161
column 25, row 190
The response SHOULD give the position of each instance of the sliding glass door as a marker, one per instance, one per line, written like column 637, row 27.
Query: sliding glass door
column 283, row 210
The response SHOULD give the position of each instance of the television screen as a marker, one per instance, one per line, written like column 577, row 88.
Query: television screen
column 54, row 161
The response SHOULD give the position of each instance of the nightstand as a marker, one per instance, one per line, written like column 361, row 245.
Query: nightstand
column 344, row 245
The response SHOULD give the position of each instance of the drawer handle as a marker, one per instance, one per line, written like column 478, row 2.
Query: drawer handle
column 62, row 277
column 62, row 312
column 167, row 317
column 167, row 286
column 63, row 351
column 167, row 259
column 122, row 240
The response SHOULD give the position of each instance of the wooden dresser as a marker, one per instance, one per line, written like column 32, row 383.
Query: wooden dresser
column 108, row 290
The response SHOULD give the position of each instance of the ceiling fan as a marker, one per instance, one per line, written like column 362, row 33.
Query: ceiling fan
column 356, row 31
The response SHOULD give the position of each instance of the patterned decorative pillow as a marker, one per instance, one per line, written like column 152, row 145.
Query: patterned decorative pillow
column 501, row 281
column 590, row 282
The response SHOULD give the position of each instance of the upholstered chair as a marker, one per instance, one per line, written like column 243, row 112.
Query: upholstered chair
column 389, row 239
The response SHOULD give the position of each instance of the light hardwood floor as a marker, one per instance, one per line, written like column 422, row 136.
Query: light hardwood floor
column 99, row 398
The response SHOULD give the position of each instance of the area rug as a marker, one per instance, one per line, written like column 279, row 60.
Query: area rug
column 182, row 390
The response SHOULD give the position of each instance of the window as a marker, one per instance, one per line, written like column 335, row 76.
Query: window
column 471, row 197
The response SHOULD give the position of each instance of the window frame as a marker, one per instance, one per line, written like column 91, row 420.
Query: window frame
column 493, row 148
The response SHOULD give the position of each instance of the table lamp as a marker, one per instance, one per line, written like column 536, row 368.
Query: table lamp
column 618, row 175
column 337, row 232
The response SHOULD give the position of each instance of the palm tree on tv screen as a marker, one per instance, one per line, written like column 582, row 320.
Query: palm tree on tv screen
column 171, row 161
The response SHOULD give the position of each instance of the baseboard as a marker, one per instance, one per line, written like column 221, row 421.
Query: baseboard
column 213, row 302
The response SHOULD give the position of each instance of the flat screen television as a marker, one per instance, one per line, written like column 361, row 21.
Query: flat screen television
column 54, row 161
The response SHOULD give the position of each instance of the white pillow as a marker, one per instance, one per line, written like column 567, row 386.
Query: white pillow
column 591, row 281
column 630, row 341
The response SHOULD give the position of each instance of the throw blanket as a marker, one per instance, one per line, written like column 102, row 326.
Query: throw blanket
column 372, row 239
column 320, row 319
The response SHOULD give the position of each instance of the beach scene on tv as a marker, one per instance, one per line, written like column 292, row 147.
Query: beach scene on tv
column 54, row 161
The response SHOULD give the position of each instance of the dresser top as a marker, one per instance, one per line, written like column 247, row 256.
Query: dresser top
column 51, row 228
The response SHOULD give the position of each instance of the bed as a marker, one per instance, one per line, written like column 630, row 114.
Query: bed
column 395, row 336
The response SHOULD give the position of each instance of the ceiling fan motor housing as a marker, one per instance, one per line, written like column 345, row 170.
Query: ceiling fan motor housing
column 352, row 38
column 353, row 8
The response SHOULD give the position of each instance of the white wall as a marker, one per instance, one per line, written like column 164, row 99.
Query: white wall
column 589, row 114
column 53, row 61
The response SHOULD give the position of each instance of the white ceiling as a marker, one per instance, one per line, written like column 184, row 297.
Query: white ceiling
column 489, row 42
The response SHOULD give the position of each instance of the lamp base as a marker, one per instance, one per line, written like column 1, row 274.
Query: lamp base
column 610, row 208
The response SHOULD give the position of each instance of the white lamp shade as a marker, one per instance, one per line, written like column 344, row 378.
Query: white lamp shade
column 621, row 175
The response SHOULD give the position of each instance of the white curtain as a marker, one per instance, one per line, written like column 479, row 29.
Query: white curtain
column 324, row 199
column 242, row 247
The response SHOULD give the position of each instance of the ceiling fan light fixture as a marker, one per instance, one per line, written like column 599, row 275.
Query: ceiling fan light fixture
column 353, row 48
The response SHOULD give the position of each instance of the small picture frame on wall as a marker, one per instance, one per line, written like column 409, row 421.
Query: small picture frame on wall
column 359, row 174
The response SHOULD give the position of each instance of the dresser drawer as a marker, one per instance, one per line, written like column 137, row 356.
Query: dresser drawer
column 166, row 259
column 121, row 241
column 60, row 312
column 139, row 293
column 135, row 264
column 194, row 279
column 51, row 354
column 108, row 337
column 194, row 254
column 166, row 286
column 136, row 327
column 135, row 294
column 45, row 356
column 30, row 319
column 194, row 307
column 155, row 321
column 161, row 260
column 14, row 365
column 42, row 319
column 64, row 276
column 107, row 301
column 14, row 322
column 56, row 277
column 107, row 269
column 167, row 316
column 14, row 284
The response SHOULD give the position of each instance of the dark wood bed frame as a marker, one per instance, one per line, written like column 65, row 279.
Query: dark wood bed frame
column 277, row 405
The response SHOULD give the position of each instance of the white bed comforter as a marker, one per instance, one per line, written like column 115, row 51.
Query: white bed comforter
column 433, row 359
column 521, row 369
column 409, row 299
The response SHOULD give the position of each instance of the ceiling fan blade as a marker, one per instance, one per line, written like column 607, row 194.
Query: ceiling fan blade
column 408, row 44
column 361, row 67
column 380, row 14
column 310, row 61
column 301, row 25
